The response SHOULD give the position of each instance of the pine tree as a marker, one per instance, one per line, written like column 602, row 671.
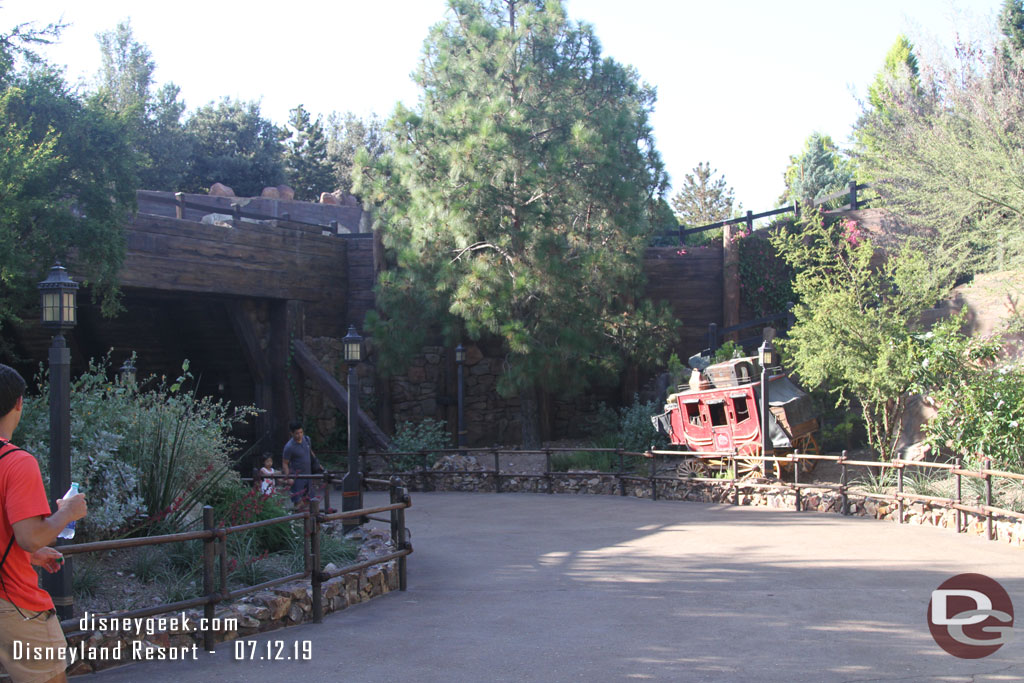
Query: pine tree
column 517, row 201
column 818, row 170
column 305, row 159
column 703, row 199
column 347, row 134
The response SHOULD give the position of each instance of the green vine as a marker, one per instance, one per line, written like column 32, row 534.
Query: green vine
column 766, row 281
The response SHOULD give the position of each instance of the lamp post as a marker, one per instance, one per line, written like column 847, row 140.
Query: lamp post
column 59, row 313
column 127, row 373
column 768, row 359
column 351, row 484
column 460, row 359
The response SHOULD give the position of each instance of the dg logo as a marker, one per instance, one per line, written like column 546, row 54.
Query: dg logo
column 970, row 616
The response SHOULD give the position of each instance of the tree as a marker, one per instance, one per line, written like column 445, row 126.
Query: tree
column 305, row 158
column 946, row 161
column 703, row 199
column 855, row 326
column 233, row 144
column 153, row 119
column 347, row 134
column 67, row 182
column 1011, row 25
column 817, row 171
column 517, row 201
column 899, row 73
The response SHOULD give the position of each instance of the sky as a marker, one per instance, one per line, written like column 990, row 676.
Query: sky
column 741, row 83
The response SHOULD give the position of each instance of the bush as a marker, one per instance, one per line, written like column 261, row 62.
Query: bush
column 635, row 431
column 143, row 456
column 424, row 436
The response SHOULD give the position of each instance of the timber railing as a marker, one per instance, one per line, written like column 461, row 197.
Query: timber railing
column 215, row 556
column 180, row 204
column 657, row 462
column 855, row 201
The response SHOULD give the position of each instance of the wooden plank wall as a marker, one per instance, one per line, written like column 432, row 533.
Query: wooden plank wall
column 252, row 261
column 361, row 278
column 691, row 284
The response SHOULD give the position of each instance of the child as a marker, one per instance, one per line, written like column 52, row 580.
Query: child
column 267, row 485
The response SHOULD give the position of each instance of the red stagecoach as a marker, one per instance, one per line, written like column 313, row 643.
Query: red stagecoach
column 719, row 413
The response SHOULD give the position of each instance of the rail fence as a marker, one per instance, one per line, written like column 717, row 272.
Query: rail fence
column 851, row 193
column 658, row 460
column 180, row 204
column 215, row 557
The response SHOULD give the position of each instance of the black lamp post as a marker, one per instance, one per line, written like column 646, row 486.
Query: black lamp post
column 351, row 484
column 769, row 359
column 127, row 373
column 60, row 312
column 460, row 359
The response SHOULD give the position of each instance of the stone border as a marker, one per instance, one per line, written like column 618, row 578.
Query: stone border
column 1005, row 529
column 272, row 609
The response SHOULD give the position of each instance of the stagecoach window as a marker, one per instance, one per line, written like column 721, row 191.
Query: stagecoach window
column 740, row 404
column 692, row 412
column 717, row 412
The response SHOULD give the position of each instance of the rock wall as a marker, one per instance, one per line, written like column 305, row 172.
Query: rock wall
column 268, row 610
column 1006, row 530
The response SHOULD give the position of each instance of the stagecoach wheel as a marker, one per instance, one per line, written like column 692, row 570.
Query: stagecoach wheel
column 748, row 464
column 807, row 444
column 692, row 467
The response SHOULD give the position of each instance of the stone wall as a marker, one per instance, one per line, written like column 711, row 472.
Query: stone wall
column 268, row 610
column 1006, row 530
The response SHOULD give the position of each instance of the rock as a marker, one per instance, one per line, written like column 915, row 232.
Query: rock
column 329, row 198
column 270, row 193
column 293, row 592
column 221, row 190
column 278, row 605
column 285, row 192
column 295, row 613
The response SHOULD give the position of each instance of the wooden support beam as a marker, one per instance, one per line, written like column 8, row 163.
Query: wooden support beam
column 336, row 393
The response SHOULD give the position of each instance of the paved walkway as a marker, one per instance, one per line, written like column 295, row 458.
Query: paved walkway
column 531, row 587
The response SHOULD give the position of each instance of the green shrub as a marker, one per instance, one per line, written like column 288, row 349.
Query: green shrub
column 145, row 454
column 635, row 431
column 423, row 436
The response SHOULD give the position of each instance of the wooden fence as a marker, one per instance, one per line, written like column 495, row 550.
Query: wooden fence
column 214, row 540
column 851, row 192
column 657, row 460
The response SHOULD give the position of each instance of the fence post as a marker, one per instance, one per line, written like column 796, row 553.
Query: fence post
column 654, row 481
column 497, row 471
column 900, row 503
column 547, row 468
column 750, row 222
column 986, row 465
column 713, row 337
column 796, row 210
column 179, row 205
column 328, row 478
column 796, row 481
column 209, row 552
column 853, row 195
column 843, row 496
column 236, row 213
column 316, row 578
column 335, row 228
column 401, row 544
column 682, row 234
column 959, row 497
column 622, row 484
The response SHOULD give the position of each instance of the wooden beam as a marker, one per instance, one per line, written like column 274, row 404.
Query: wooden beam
column 336, row 393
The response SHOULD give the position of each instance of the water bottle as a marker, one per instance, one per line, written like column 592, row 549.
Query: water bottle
column 69, row 530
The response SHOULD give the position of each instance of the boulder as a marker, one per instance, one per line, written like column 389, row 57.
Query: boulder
column 285, row 192
column 270, row 193
column 221, row 190
column 329, row 198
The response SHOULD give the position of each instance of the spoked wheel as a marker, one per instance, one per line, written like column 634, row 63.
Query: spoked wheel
column 807, row 444
column 692, row 467
column 748, row 464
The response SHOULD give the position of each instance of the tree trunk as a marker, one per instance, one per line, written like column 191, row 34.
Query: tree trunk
column 529, row 418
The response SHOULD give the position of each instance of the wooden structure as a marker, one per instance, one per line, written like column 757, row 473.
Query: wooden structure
column 721, row 414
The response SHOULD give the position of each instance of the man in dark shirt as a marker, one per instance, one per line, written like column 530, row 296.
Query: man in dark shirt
column 296, row 459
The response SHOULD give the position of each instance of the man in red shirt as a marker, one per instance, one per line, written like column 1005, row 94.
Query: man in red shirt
column 26, row 530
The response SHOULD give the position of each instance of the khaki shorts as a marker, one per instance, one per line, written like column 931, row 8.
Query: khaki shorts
column 38, row 654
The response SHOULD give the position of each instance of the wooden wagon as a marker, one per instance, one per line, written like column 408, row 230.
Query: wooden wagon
column 721, row 414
